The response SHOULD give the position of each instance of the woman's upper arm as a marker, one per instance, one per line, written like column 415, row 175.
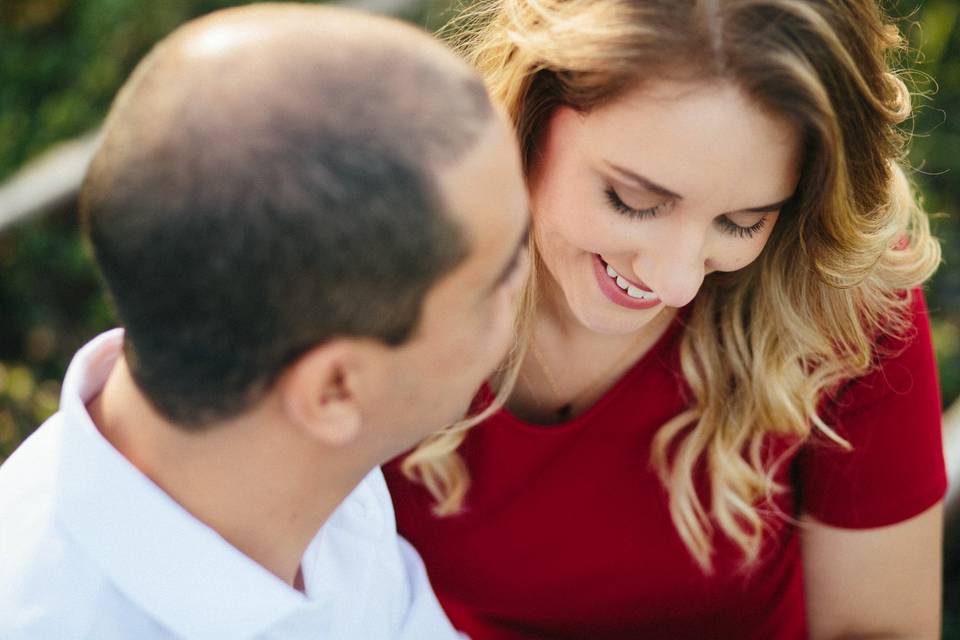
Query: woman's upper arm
column 871, row 540
column 874, row 583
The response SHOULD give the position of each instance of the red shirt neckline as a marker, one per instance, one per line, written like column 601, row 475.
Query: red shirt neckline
column 676, row 325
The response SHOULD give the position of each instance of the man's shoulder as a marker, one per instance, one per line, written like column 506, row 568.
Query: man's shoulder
column 48, row 586
column 28, row 481
column 70, row 599
column 36, row 555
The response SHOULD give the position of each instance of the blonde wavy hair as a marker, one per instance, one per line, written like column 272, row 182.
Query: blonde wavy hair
column 764, row 345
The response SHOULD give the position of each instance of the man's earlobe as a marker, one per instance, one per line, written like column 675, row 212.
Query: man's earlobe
column 319, row 395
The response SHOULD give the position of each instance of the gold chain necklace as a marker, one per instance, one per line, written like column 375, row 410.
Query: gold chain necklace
column 565, row 410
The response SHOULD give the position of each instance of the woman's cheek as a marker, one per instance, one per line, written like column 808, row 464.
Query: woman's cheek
column 739, row 253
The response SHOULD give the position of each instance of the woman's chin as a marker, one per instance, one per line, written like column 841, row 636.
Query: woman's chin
column 604, row 317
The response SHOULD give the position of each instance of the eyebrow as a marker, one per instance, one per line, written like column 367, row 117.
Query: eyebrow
column 649, row 185
column 514, row 258
column 776, row 206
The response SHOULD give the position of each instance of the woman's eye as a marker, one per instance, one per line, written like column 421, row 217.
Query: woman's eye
column 734, row 229
column 621, row 207
column 725, row 223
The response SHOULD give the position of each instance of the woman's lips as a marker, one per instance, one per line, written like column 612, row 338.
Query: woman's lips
column 633, row 296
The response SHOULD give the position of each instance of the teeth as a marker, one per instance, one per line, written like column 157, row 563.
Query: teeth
column 631, row 290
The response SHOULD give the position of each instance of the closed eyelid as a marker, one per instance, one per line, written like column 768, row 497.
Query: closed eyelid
column 633, row 193
column 615, row 201
column 741, row 231
column 724, row 222
column 747, row 218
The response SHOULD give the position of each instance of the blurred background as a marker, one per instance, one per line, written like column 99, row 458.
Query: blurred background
column 61, row 62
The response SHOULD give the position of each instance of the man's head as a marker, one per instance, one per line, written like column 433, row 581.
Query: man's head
column 310, row 201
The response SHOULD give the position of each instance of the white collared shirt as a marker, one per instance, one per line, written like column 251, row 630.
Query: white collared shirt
column 91, row 548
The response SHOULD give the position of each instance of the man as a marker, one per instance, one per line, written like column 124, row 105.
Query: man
column 312, row 224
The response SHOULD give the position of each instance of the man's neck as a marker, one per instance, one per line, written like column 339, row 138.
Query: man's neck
column 254, row 480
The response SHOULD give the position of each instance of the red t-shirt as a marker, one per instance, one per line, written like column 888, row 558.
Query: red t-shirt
column 566, row 531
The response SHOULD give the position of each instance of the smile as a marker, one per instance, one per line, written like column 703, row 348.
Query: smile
column 621, row 291
column 632, row 291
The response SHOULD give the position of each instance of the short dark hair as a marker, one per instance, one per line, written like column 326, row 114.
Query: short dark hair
column 245, row 211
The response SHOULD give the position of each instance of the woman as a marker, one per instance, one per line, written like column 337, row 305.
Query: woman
column 727, row 420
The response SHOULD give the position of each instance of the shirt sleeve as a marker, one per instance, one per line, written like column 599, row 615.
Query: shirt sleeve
column 892, row 417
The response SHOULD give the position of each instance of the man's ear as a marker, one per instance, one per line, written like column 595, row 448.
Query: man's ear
column 318, row 392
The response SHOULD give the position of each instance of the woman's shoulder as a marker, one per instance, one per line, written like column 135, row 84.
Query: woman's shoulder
column 903, row 370
column 891, row 419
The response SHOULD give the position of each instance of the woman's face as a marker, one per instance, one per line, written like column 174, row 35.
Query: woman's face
column 636, row 201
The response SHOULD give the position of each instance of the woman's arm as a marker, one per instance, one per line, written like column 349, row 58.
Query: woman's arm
column 878, row 583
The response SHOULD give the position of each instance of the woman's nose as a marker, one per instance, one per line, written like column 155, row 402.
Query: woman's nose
column 674, row 269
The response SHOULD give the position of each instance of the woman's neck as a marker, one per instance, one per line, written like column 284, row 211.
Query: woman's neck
column 568, row 367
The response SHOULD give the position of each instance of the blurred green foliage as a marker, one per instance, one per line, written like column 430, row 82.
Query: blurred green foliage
column 933, row 28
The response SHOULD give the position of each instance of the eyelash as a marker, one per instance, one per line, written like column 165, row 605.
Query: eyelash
column 639, row 214
column 742, row 232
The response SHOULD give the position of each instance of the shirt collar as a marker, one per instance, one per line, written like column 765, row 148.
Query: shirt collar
column 163, row 559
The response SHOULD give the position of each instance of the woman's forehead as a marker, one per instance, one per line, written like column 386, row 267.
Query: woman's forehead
column 693, row 138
